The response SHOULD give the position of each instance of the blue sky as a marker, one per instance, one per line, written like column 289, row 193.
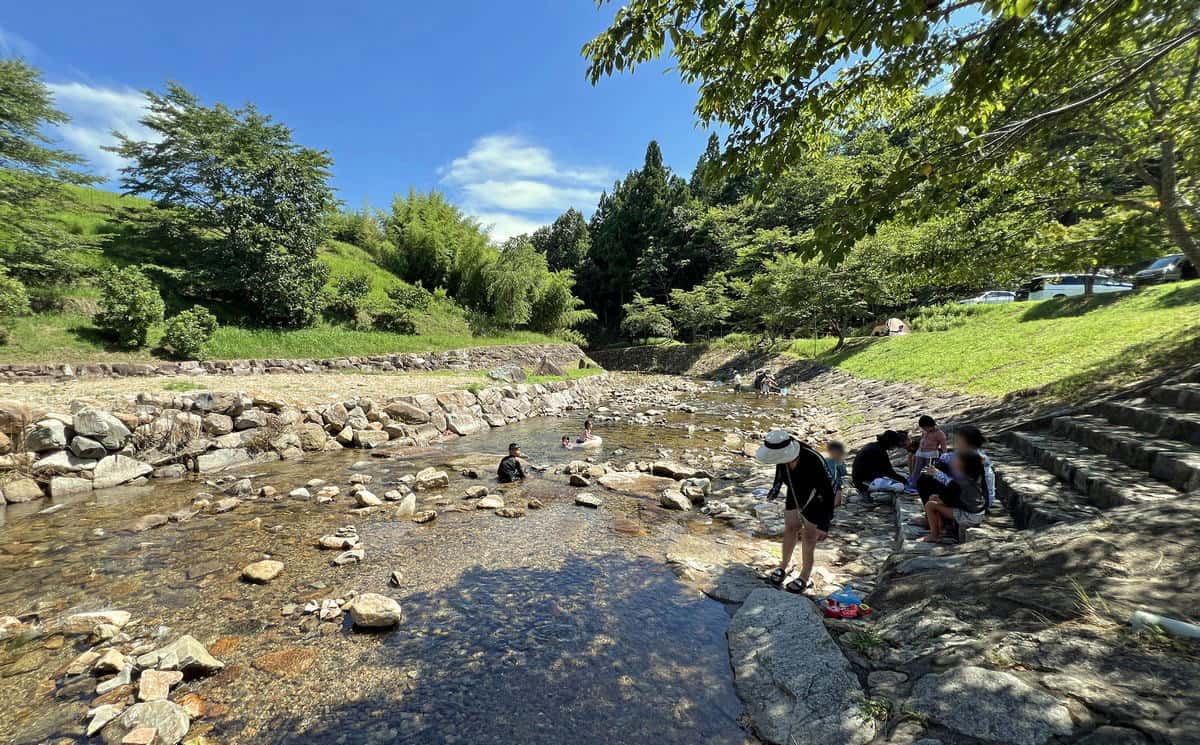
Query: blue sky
column 484, row 100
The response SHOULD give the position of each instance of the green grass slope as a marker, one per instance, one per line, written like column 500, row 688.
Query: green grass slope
column 1065, row 347
column 66, row 334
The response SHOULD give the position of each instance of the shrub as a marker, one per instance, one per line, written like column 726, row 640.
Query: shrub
column 130, row 306
column 395, row 319
column 344, row 300
column 410, row 297
column 188, row 333
column 13, row 302
column 946, row 316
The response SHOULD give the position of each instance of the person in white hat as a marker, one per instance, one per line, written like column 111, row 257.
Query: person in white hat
column 808, row 509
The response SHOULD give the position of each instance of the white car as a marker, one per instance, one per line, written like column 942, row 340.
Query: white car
column 991, row 297
column 1050, row 286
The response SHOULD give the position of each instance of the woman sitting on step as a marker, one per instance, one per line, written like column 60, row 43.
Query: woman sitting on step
column 967, row 439
column 874, row 462
column 959, row 498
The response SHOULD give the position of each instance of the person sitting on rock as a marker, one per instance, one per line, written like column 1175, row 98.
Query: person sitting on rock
column 808, row 509
column 959, row 498
column 967, row 439
column 874, row 462
column 511, row 466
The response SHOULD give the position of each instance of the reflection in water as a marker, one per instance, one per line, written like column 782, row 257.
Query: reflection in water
column 564, row 625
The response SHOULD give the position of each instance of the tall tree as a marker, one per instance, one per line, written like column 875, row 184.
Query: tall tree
column 566, row 242
column 34, row 248
column 255, row 200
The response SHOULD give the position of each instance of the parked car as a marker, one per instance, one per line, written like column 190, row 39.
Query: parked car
column 1167, row 269
column 1068, row 285
column 990, row 297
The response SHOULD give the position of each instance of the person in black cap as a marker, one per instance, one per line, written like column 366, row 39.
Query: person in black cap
column 511, row 468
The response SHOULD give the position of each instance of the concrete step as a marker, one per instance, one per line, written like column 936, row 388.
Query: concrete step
column 1179, row 396
column 1155, row 419
column 1172, row 461
column 1105, row 481
column 1035, row 497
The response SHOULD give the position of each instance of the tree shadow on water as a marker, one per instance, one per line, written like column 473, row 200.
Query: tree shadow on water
column 604, row 648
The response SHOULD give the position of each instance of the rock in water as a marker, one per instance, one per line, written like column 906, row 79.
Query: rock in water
column 587, row 500
column 184, row 654
column 510, row 512
column 431, row 478
column 261, row 572
column 373, row 611
column 489, row 503
column 797, row 686
column 169, row 719
column 990, row 705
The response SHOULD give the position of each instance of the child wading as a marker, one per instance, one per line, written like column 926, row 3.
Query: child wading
column 808, row 510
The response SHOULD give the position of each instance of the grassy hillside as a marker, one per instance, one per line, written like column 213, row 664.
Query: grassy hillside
column 65, row 333
column 1066, row 347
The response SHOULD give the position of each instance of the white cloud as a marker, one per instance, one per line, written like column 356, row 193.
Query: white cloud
column 95, row 113
column 516, row 186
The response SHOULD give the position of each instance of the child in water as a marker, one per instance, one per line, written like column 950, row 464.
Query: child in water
column 566, row 442
column 587, row 431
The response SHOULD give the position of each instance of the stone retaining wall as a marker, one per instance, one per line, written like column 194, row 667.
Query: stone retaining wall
column 166, row 435
column 472, row 358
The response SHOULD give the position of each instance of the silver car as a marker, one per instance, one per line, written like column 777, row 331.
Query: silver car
column 1167, row 269
column 991, row 297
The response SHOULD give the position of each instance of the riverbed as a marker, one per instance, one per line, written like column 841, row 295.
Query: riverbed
column 568, row 623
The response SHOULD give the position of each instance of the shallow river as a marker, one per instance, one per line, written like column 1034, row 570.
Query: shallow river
column 564, row 625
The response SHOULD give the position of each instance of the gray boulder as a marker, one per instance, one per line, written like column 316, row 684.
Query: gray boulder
column 508, row 374
column 797, row 686
column 48, row 434
column 373, row 611
column 184, row 654
column 62, row 461
column 990, row 705
column 406, row 412
column 546, row 367
column 168, row 719
column 674, row 500
column 86, row 447
column 119, row 469
column 102, row 427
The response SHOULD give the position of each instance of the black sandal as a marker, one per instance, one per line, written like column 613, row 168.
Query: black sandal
column 798, row 586
column 777, row 576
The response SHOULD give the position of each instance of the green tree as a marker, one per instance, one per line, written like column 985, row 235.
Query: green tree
column 13, row 302
column 644, row 318
column 787, row 77
column 513, row 279
column 189, row 332
column 555, row 309
column 34, row 247
column 435, row 245
column 704, row 309
column 258, row 201
column 565, row 242
column 129, row 307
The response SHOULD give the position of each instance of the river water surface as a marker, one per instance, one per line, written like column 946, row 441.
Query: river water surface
column 566, row 625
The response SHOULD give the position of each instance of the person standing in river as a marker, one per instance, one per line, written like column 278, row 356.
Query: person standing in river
column 808, row 509
column 511, row 468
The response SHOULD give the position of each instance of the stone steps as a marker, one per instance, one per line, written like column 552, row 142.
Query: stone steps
column 1180, row 396
column 1153, row 418
column 1105, row 481
column 1035, row 497
column 1172, row 461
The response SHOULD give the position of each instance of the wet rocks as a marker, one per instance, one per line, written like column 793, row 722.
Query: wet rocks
column 149, row 522
column 576, row 479
column 636, row 484
column 510, row 512
column 261, row 572
column 431, row 478
column 118, row 469
column 184, row 654
column 345, row 558
column 476, row 492
column 424, row 516
column 88, row 622
column 155, row 685
column 345, row 537
column 300, row 492
column 797, row 686
column 407, row 506
column 372, row 611
column 364, row 498
column 102, row 715
column 168, row 720
column 990, row 705
column 20, row 489
column 489, row 503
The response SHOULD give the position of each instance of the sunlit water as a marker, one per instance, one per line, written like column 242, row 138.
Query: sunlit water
column 565, row 625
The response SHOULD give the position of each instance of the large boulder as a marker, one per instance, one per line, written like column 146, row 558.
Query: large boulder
column 62, row 461
column 119, row 469
column 261, row 572
column 406, row 412
column 370, row 438
column 14, row 415
column 168, row 720
column 674, row 500
column 637, row 484
column 463, row 424
column 48, row 434
column 546, row 367
column 431, row 478
column 312, row 436
column 67, row 486
column 102, row 427
column 86, row 447
column 990, row 705
column 216, row 460
column 20, row 490
column 797, row 686
column 373, row 611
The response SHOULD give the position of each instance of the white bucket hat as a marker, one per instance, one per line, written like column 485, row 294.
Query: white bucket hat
column 779, row 447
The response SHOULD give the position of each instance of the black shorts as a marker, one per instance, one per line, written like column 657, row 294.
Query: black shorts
column 817, row 511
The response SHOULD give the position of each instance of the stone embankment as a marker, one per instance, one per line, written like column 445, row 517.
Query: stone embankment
column 167, row 435
column 472, row 358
